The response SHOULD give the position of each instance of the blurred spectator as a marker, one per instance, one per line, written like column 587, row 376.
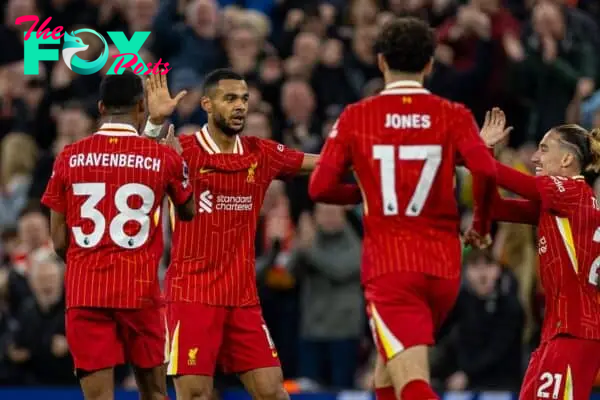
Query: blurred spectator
column 326, row 259
column 258, row 124
column 194, row 43
column 8, row 246
column 18, row 155
column 38, row 341
column 188, row 110
column 558, row 66
column 484, row 349
column 11, row 34
column 33, row 234
column 72, row 123
column 476, row 22
column 7, row 374
column 278, row 288
column 298, row 104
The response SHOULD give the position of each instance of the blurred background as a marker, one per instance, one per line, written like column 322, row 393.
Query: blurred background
column 304, row 61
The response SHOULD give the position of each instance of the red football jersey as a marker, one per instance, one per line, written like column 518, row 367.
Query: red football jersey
column 403, row 146
column 569, row 250
column 213, row 256
column 110, row 187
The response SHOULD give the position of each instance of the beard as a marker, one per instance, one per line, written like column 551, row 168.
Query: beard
column 221, row 123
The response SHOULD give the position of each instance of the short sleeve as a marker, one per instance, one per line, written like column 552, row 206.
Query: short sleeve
column 178, row 181
column 558, row 193
column 284, row 162
column 336, row 152
column 55, row 194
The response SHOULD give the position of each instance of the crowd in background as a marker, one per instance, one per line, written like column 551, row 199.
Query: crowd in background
column 304, row 60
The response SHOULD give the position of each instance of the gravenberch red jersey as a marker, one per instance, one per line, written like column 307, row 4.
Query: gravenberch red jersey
column 213, row 256
column 569, row 251
column 110, row 187
column 403, row 145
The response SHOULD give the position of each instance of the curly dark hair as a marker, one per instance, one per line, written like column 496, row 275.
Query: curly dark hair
column 120, row 93
column 407, row 44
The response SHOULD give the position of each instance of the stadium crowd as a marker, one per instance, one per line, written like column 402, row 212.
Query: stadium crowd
column 304, row 61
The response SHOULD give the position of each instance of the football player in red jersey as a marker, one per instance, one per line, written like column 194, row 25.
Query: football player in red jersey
column 564, row 207
column 104, row 194
column 404, row 145
column 214, row 314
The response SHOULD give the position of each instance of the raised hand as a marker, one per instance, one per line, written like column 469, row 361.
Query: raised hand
column 172, row 141
column 494, row 128
column 160, row 103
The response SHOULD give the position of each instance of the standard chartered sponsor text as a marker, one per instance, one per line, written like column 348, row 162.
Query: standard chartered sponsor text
column 234, row 203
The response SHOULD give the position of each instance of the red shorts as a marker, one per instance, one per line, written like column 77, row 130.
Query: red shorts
column 101, row 338
column 406, row 309
column 562, row 368
column 203, row 336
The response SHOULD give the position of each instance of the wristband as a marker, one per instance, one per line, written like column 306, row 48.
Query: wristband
column 152, row 130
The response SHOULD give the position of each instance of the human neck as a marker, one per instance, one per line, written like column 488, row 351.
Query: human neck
column 391, row 77
column 569, row 172
column 118, row 119
column 225, row 143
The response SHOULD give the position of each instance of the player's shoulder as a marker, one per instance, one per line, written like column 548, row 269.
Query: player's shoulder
column 433, row 100
column 562, row 184
column 252, row 144
column 454, row 106
column 188, row 141
column 451, row 108
column 82, row 145
column 365, row 104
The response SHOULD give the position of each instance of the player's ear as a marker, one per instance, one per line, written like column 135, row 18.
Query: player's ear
column 567, row 159
column 381, row 63
column 141, row 106
column 101, row 107
column 206, row 104
column 428, row 67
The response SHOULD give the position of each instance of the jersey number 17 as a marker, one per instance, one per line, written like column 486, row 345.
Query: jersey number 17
column 386, row 154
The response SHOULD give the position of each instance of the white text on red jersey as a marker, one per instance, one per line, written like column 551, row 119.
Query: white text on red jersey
column 407, row 121
column 114, row 160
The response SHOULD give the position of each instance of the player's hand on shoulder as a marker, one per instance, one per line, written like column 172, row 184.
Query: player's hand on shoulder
column 172, row 141
column 160, row 103
column 494, row 128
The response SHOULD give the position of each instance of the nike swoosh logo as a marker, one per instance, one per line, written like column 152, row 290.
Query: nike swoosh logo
column 205, row 170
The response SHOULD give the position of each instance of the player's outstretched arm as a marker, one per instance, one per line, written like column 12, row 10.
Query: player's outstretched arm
column 309, row 164
column 517, row 182
column 494, row 131
column 481, row 163
column 325, row 187
column 325, row 184
column 160, row 103
column 179, row 190
column 518, row 211
column 59, row 233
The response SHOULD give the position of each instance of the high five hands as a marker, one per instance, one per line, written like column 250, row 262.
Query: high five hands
column 160, row 103
column 494, row 131
column 494, row 128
